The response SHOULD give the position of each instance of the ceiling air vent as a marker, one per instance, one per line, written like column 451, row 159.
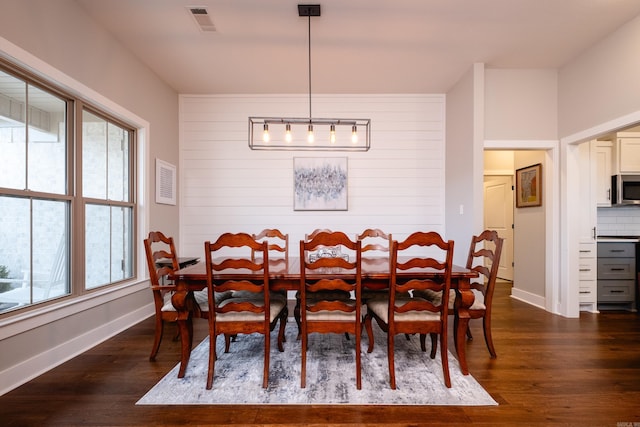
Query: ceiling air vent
column 202, row 18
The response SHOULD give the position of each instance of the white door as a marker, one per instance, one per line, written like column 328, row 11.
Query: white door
column 498, row 215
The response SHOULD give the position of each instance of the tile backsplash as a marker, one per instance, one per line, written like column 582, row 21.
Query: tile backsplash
column 619, row 221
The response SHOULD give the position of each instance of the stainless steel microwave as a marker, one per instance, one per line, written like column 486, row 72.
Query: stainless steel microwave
column 625, row 189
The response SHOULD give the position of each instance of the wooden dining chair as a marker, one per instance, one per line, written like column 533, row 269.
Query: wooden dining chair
column 162, row 260
column 244, row 314
column 327, row 304
column 375, row 242
column 296, row 310
column 402, row 313
column 277, row 241
column 484, row 257
column 278, row 248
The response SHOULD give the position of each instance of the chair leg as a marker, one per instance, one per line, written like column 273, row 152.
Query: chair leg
column 283, row 324
column 444, row 355
column 434, row 345
column 227, row 342
column 296, row 315
column 157, row 339
column 212, row 360
column 390, row 357
column 358, row 359
column 469, row 336
column 369, row 328
column 303, row 370
column 423, row 339
column 267, row 352
column 486, row 323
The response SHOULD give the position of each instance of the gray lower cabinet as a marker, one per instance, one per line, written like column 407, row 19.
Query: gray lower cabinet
column 616, row 276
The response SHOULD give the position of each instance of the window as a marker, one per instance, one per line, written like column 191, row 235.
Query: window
column 108, row 209
column 47, row 195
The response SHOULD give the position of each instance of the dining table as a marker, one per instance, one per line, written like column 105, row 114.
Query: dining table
column 284, row 275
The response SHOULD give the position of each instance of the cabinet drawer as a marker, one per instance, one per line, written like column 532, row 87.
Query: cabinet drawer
column 587, row 268
column 615, row 290
column 587, row 250
column 588, row 291
column 616, row 268
column 616, row 250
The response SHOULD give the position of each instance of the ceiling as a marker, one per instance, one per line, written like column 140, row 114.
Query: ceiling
column 357, row 46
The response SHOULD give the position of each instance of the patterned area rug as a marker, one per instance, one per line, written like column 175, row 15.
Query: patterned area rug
column 330, row 375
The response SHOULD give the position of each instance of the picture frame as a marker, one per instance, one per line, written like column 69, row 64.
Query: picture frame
column 165, row 183
column 529, row 186
column 320, row 184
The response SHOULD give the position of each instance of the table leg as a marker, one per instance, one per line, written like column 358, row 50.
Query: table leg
column 183, row 302
column 464, row 300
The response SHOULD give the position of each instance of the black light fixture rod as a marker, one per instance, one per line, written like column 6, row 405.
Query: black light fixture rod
column 309, row 10
column 310, row 69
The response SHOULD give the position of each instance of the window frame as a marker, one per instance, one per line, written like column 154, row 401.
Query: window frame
column 75, row 105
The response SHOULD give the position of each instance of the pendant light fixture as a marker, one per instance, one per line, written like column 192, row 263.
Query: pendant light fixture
column 295, row 133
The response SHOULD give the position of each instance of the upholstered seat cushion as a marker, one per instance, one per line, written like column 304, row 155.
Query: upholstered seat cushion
column 436, row 298
column 273, row 295
column 380, row 307
column 276, row 306
column 200, row 297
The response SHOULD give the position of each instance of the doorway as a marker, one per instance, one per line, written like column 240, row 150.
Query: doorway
column 498, row 216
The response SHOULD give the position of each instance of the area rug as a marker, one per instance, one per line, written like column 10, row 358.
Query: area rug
column 330, row 375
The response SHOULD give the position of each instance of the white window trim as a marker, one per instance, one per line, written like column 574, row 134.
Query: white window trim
column 50, row 313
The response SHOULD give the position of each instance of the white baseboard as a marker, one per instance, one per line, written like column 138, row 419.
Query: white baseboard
column 529, row 298
column 29, row 369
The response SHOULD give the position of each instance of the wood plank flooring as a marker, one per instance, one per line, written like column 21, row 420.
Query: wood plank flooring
column 550, row 371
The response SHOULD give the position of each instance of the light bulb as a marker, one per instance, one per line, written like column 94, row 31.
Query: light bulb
column 310, row 137
column 332, row 134
column 265, row 133
column 287, row 133
column 354, row 134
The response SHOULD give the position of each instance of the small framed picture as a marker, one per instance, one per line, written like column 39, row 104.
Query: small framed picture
column 529, row 186
column 320, row 183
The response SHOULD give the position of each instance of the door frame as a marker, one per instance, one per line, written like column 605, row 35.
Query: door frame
column 556, row 299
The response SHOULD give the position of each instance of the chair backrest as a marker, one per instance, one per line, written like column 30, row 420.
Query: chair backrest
column 484, row 257
column 253, row 275
column 276, row 242
column 437, row 254
column 315, row 232
column 374, row 239
column 160, row 248
column 347, row 278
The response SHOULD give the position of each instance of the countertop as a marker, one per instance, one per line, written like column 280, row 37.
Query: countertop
column 618, row 239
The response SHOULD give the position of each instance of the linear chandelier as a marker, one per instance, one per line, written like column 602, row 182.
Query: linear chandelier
column 296, row 133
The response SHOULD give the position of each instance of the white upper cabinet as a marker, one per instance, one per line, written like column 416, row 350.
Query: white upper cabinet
column 601, row 151
column 626, row 153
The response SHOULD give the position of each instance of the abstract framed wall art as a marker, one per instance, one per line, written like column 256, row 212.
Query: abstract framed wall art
column 529, row 186
column 320, row 183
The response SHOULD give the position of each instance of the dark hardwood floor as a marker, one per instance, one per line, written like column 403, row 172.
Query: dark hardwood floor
column 550, row 371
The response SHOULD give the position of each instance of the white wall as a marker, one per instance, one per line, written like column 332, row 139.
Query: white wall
column 60, row 41
column 521, row 104
column 397, row 186
column 529, row 238
column 464, row 160
column 602, row 85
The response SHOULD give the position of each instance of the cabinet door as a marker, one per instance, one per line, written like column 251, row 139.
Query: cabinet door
column 588, row 212
column 629, row 159
column 603, row 174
